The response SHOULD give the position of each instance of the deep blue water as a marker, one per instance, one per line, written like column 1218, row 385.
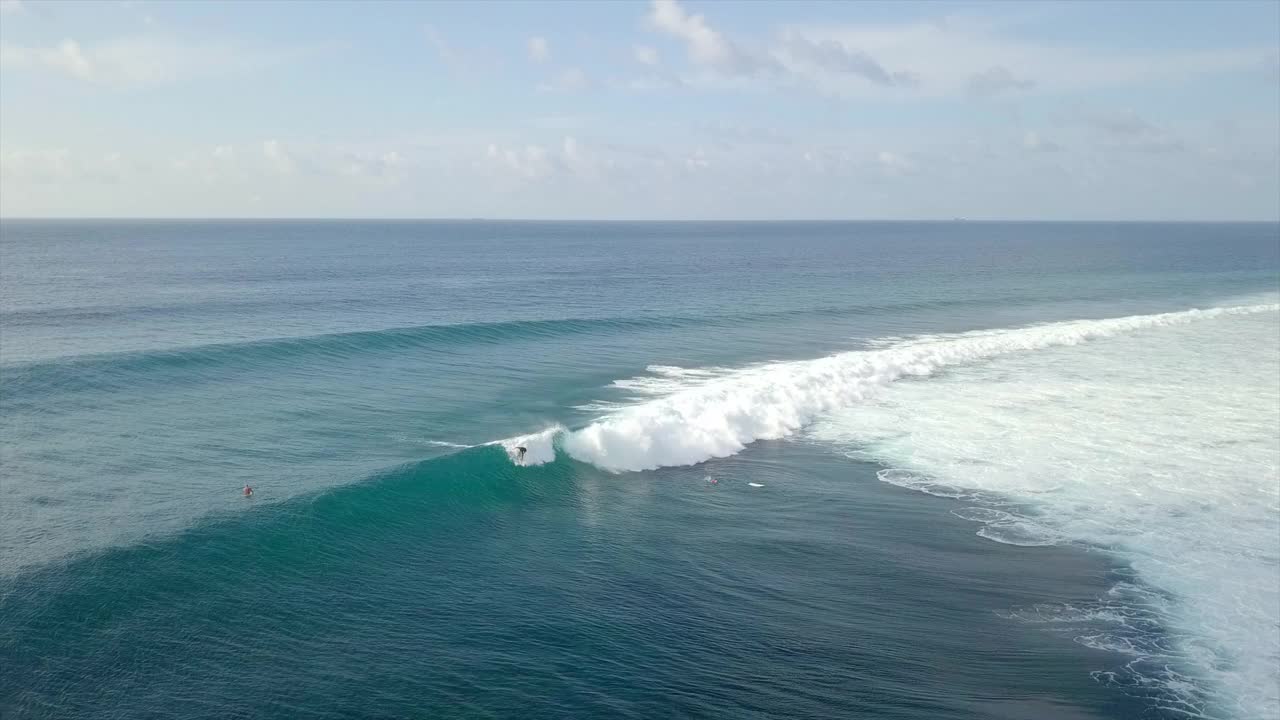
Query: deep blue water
column 392, row 564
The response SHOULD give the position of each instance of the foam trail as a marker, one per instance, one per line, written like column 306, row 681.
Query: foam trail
column 447, row 444
column 666, row 379
column 1159, row 449
column 707, row 417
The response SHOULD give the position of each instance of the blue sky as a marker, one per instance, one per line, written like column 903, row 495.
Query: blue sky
column 635, row 110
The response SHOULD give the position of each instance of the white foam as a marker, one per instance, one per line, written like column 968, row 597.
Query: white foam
column 1158, row 447
column 687, row 420
column 666, row 379
column 680, row 372
column 431, row 442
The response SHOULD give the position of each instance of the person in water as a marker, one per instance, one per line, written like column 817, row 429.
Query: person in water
column 248, row 491
column 520, row 451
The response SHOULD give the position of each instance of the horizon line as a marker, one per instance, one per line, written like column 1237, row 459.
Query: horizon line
column 299, row 218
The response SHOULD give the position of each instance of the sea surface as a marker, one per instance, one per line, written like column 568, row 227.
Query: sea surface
column 773, row 470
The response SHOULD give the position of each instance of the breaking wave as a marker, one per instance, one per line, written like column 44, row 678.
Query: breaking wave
column 1135, row 449
column 684, row 417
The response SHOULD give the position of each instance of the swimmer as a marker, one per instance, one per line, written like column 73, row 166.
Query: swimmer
column 520, row 451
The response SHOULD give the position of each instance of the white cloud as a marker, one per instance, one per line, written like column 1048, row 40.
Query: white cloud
column 11, row 7
column 791, row 58
column 265, row 163
column 278, row 159
column 706, row 46
column 65, row 57
column 922, row 59
column 58, row 166
column 599, row 166
column 686, row 174
column 894, row 164
column 956, row 58
column 539, row 49
column 137, row 61
column 577, row 160
column 645, row 55
column 531, row 162
column 553, row 157
column 36, row 165
column 376, row 168
column 221, row 164
column 826, row 161
column 804, row 57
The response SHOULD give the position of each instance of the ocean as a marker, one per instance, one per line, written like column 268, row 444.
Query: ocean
column 772, row 470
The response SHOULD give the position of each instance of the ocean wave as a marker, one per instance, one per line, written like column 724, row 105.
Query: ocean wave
column 461, row 479
column 694, row 416
column 87, row 372
column 1197, row 629
column 539, row 446
column 192, row 363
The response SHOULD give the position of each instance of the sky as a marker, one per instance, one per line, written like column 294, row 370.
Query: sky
column 669, row 109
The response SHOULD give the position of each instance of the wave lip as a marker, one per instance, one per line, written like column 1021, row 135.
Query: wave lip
column 539, row 446
column 694, row 416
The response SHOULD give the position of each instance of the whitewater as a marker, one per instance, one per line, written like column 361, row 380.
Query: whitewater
column 1149, row 437
column 685, row 416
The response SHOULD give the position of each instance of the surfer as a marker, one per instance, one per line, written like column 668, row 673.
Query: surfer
column 248, row 491
column 520, row 451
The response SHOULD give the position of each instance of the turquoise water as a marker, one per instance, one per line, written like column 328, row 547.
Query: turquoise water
column 952, row 470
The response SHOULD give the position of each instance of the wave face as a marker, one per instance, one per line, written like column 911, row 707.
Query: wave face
column 186, row 365
column 1158, row 448
column 699, row 415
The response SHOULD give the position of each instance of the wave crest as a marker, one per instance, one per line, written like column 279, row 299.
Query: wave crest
column 694, row 416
